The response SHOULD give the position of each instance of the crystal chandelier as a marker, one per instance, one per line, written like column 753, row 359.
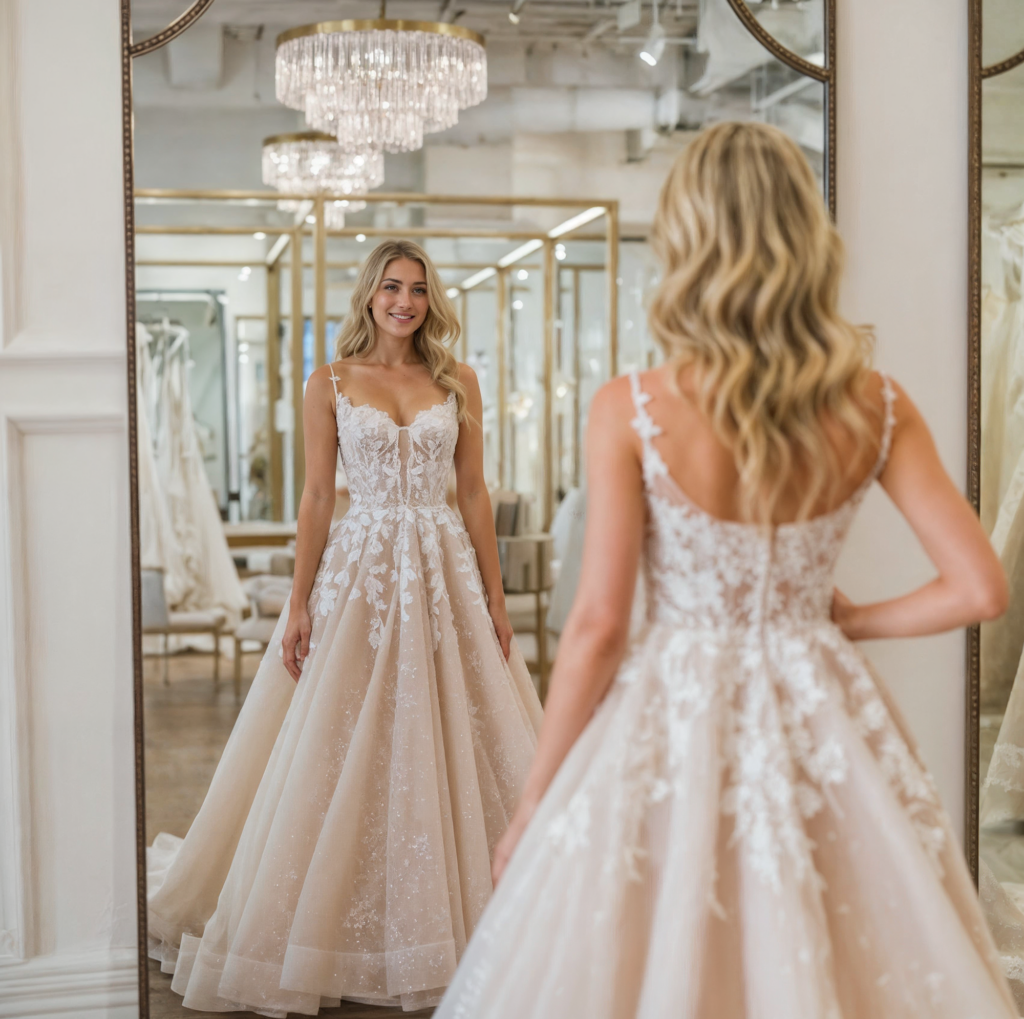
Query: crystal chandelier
column 311, row 163
column 381, row 84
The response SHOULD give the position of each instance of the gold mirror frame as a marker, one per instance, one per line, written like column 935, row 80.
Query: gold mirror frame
column 172, row 31
column 129, row 50
column 977, row 73
column 826, row 75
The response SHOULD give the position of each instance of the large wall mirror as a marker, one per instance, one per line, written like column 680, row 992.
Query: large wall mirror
column 995, row 776
column 247, row 229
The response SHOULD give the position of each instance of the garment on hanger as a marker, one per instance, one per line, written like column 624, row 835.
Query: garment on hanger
column 159, row 542
column 198, row 529
column 1002, row 463
column 567, row 547
column 1001, row 878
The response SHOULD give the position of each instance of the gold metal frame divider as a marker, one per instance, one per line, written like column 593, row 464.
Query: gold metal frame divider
column 320, row 265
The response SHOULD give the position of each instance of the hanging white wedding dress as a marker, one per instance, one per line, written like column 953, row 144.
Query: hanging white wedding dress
column 191, row 503
column 1002, row 642
column 1002, row 464
column 159, row 543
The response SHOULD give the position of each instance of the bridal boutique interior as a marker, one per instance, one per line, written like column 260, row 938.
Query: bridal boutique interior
column 252, row 220
column 573, row 111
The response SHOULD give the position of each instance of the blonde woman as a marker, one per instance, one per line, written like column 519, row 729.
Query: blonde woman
column 728, row 819
column 344, row 848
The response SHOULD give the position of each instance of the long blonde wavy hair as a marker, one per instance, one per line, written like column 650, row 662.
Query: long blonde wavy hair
column 752, row 266
column 433, row 341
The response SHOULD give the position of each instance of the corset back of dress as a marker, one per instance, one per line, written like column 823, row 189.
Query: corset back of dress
column 392, row 467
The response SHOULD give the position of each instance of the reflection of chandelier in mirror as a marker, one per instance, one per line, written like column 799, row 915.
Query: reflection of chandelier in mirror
column 381, row 83
column 519, row 405
column 310, row 163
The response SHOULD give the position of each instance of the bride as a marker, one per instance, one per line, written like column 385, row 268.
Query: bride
column 344, row 847
column 727, row 818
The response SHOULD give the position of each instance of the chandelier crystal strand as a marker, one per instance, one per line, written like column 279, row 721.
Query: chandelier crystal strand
column 381, row 84
column 311, row 164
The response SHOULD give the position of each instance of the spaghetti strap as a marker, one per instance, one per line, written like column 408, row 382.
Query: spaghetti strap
column 334, row 380
column 643, row 422
column 651, row 462
column 888, row 424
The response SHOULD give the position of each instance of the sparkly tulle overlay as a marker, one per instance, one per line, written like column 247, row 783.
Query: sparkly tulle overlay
column 343, row 849
column 745, row 829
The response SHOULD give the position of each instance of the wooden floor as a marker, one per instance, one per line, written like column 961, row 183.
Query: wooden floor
column 165, row 1004
column 187, row 725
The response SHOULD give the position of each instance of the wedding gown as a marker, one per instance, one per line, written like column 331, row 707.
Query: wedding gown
column 745, row 829
column 344, row 847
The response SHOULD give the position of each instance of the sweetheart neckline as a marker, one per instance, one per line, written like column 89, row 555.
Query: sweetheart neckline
column 385, row 414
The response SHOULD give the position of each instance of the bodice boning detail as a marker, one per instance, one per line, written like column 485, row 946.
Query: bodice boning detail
column 389, row 466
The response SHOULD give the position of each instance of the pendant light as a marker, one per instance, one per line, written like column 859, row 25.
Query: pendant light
column 380, row 84
column 311, row 163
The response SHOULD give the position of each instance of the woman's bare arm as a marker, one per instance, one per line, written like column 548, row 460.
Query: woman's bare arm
column 475, row 505
column 596, row 632
column 320, row 430
column 970, row 586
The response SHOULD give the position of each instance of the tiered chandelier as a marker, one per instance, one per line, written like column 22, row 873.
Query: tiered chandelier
column 311, row 163
column 379, row 85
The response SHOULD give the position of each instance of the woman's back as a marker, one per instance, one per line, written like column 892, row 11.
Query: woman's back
column 704, row 468
column 708, row 571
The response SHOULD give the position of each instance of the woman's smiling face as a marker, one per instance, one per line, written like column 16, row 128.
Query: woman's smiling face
column 400, row 305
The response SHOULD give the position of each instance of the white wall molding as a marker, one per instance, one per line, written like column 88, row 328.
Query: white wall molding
column 20, row 354
column 67, row 808
column 16, row 884
column 71, row 986
column 17, row 877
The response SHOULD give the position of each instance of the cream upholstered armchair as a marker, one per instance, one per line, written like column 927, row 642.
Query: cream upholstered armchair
column 268, row 594
column 157, row 619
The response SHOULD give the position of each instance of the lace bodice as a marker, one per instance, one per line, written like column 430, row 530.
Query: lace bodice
column 390, row 466
column 708, row 574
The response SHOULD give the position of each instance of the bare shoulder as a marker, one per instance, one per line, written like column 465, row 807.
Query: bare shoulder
column 904, row 410
column 467, row 376
column 320, row 381
column 321, row 395
column 613, row 402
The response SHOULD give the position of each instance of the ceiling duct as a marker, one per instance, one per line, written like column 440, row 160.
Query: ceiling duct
column 195, row 60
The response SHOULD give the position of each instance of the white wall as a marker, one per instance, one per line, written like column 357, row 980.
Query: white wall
column 902, row 209
column 67, row 867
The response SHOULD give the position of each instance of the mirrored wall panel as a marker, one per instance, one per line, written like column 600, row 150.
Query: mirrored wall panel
column 532, row 191
column 999, row 260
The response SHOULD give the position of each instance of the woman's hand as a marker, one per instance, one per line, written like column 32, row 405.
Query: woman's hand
column 502, row 626
column 842, row 612
column 508, row 842
column 295, row 643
